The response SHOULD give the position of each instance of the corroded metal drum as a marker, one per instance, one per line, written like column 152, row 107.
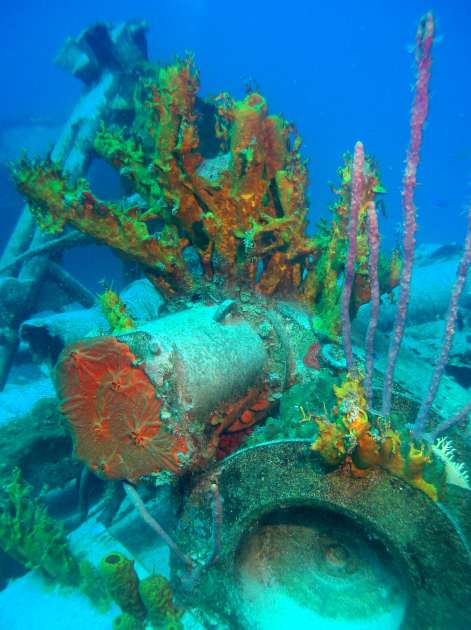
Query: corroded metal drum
column 317, row 545
column 156, row 400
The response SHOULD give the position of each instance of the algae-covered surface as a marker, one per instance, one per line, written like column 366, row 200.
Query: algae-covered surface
column 235, row 363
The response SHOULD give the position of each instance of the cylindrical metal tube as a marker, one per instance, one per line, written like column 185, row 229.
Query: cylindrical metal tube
column 198, row 364
column 157, row 398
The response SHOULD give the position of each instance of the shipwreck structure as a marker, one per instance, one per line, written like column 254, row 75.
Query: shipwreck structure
column 246, row 306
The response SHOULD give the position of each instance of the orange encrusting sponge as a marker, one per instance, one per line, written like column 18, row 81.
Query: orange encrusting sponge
column 113, row 413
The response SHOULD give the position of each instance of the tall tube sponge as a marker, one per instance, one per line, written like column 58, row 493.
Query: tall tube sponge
column 461, row 415
column 450, row 323
column 357, row 190
column 373, row 248
column 424, row 41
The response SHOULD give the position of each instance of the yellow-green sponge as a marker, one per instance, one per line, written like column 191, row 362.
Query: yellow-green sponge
column 157, row 597
column 122, row 583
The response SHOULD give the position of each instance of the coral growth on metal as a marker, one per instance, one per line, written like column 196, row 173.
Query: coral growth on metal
column 112, row 410
column 220, row 198
column 351, row 437
column 221, row 176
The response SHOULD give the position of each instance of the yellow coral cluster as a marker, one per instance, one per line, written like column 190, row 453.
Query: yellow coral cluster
column 114, row 309
column 351, row 438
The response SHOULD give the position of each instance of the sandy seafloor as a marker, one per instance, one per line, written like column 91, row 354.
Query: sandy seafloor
column 28, row 603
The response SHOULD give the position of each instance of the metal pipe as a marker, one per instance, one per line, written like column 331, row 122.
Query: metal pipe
column 156, row 399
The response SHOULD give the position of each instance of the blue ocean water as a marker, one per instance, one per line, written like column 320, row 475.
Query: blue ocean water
column 341, row 72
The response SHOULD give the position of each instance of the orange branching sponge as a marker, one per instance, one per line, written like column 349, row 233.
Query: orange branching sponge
column 110, row 405
column 222, row 176
column 55, row 202
column 219, row 182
